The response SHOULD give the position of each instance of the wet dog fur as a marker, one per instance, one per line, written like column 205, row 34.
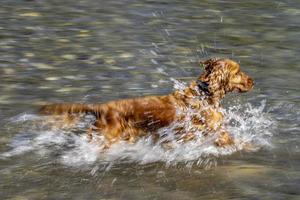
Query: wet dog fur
column 130, row 119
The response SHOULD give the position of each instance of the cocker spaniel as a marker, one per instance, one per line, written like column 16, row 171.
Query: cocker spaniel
column 130, row 119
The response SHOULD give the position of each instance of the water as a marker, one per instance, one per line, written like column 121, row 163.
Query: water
column 86, row 51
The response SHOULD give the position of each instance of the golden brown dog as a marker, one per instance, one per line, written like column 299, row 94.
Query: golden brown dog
column 129, row 119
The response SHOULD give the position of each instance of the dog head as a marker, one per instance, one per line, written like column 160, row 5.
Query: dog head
column 224, row 75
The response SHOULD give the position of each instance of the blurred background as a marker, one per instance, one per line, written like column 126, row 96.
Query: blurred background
column 96, row 51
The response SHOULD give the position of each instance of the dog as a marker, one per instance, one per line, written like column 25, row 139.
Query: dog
column 130, row 119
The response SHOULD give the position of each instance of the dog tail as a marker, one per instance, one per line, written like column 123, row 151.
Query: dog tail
column 69, row 108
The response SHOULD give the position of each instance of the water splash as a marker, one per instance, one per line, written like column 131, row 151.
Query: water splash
column 247, row 124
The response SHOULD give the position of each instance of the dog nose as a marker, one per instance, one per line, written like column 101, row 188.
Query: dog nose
column 251, row 82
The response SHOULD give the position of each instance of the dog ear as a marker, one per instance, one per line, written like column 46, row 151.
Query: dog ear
column 208, row 64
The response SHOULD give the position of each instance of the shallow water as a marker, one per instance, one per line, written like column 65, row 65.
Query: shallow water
column 86, row 51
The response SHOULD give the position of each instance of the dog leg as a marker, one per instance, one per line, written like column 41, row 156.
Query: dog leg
column 224, row 139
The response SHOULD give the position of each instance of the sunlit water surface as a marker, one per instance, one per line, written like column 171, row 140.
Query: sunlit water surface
column 87, row 51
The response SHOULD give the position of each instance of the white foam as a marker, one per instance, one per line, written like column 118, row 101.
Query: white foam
column 24, row 117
